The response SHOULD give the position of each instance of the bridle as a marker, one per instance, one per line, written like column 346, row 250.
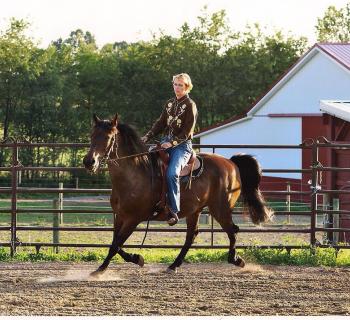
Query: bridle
column 113, row 146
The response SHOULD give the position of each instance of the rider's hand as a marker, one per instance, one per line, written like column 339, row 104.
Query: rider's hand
column 166, row 145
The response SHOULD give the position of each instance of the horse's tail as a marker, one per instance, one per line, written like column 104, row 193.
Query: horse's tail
column 253, row 200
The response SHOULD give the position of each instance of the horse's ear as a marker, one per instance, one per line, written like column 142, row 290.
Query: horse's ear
column 115, row 120
column 96, row 118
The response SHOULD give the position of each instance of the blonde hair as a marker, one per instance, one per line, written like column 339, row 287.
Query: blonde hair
column 186, row 78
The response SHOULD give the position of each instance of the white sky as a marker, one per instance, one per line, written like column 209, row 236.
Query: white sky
column 132, row 20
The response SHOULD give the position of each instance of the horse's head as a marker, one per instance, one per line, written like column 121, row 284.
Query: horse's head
column 103, row 138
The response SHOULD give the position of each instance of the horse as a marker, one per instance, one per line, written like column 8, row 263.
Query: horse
column 136, row 188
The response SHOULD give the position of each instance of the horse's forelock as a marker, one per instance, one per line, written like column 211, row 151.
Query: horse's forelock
column 104, row 124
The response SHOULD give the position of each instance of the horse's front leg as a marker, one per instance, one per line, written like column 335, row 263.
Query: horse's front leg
column 126, row 229
column 128, row 257
column 134, row 258
column 192, row 232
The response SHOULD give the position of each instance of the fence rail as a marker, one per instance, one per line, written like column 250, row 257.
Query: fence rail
column 314, row 190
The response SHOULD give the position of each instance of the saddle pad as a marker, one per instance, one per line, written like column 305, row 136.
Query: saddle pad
column 187, row 168
column 197, row 170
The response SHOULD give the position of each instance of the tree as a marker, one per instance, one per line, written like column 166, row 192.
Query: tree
column 20, row 62
column 334, row 26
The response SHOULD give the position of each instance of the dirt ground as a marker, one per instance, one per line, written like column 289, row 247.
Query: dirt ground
column 196, row 289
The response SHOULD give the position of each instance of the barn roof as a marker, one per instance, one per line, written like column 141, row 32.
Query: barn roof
column 339, row 109
column 338, row 52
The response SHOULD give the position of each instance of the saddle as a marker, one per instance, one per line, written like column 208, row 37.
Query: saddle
column 192, row 164
column 192, row 169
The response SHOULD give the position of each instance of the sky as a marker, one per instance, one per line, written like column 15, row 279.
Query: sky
column 132, row 20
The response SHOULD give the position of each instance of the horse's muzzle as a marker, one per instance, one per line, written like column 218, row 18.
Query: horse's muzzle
column 90, row 163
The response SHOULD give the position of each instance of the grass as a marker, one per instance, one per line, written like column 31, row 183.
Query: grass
column 84, row 219
column 299, row 257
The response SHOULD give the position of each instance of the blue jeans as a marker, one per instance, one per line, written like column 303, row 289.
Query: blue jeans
column 178, row 158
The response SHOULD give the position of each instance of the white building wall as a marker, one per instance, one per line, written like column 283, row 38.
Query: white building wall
column 262, row 131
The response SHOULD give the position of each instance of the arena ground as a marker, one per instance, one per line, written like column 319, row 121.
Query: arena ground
column 196, row 289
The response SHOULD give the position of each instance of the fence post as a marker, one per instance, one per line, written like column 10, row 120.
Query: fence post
column 19, row 177
column 60, row 202
column 56, row 224
column 288, row 200
column 327, row 217
column 14, row 184
column 336, row 218
column 314, row 189
column 207, row 218
column 212, row 223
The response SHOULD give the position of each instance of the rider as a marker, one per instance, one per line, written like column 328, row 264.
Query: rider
column 178, row 120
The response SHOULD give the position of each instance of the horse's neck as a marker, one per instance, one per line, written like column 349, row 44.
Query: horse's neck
column 127, row 170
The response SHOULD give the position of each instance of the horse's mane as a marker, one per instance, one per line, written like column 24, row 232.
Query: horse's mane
column 132, row 144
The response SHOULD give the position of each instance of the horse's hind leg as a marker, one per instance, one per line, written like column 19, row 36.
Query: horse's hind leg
column 192, row 232
column 224, row 217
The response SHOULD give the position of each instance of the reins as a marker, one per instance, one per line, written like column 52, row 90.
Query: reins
column 114, row 145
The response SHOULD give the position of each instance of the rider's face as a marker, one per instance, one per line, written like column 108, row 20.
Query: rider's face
column 180, row 87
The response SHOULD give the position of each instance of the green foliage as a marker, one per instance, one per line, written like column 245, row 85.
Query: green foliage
column 334, row 26
column 317, row 257
column 300, row 257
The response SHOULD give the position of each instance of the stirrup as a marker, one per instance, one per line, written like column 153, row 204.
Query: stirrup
column 173, row 218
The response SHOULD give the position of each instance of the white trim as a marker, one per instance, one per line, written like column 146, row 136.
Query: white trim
column 221, row 127
column 284, row 80
column 338, row 108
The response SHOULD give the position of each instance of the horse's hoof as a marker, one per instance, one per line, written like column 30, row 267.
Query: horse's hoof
column 96, row 274
column 171, row 270
column 239, row 262
column 141, row 261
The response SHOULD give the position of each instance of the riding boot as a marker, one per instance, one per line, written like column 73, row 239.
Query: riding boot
column 172, row 218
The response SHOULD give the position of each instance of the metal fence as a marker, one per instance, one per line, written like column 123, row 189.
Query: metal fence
column 315, row 170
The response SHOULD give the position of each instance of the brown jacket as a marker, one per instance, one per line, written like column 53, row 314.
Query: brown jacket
column 178, row 120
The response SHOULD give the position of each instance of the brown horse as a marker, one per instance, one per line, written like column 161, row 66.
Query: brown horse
column 136, row 188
